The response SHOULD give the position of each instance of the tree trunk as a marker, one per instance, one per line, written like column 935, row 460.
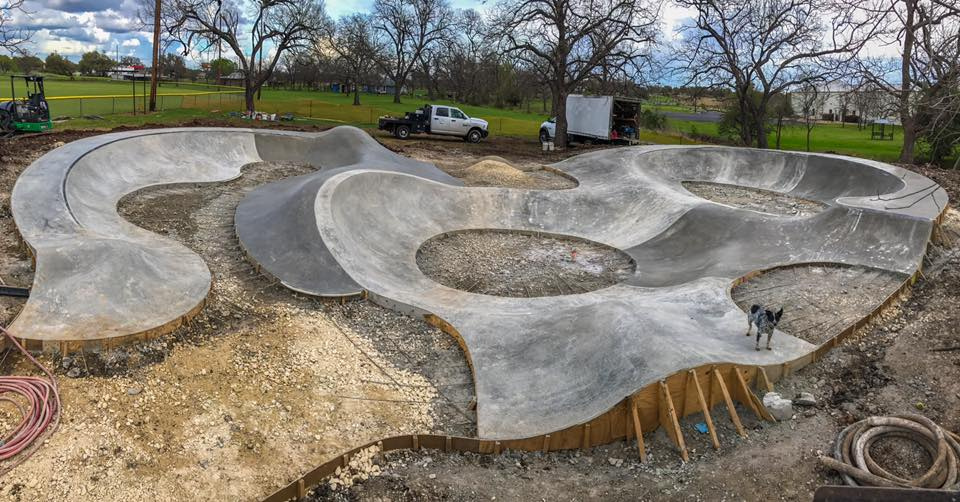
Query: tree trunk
column 397, row 86
column 809, row 129
column 156, row 57
column 779, row 129
column 356, row 93
column 249, row 94
column 560, row 108
column 906, row 118
column 909, row 140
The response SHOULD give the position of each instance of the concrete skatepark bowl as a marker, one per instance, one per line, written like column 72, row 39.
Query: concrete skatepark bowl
column 540, row 364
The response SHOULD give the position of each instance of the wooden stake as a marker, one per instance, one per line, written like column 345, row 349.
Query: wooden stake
column 730, row 407
column 705, row 409
column 763, row 380
column 586, row 436
column 668, row 420
column 546, row 443
column 746, row 396
column 637, row 429
column 301, row 490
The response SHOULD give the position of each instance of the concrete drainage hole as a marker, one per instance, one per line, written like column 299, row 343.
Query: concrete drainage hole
column 755, row 199
column 521, row 264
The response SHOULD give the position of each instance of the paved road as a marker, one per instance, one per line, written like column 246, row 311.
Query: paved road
column 713, row 117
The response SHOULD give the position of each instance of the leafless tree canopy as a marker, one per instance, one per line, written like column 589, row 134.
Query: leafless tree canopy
column 568, row 41
column 248, row 28
column 923, row 80
column 762, row 48
column 12, row 38
column 357, row 48
column 408, row 28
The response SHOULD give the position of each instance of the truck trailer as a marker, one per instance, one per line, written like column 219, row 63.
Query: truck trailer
column 597, row 119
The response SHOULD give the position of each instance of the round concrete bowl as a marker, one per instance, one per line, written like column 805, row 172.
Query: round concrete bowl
column 354, row 227
column 101, row 280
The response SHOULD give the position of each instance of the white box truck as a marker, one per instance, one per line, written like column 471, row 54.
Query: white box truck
column 597, row 118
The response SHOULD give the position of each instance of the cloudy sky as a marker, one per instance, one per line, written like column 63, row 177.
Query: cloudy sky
column 72, row 27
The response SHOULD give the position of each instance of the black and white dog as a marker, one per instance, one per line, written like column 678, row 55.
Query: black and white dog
column 765, row 321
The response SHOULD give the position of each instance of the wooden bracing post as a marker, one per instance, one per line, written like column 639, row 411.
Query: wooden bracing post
column 763, row 380
column 718, row 379
column 637, row 429
column 668, row 420
column 704, row 408
column 749, row 398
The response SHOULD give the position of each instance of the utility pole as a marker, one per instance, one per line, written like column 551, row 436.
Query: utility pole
column 156, row 56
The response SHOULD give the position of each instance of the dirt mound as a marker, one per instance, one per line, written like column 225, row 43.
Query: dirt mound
column 497, row 173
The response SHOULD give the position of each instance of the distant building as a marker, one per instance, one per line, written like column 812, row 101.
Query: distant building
column 134, row 72
column 235, row 78
column 839, row 102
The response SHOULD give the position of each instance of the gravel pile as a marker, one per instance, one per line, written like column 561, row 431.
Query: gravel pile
column 765, row 201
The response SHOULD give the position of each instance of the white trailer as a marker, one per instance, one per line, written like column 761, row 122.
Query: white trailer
column 597, row 118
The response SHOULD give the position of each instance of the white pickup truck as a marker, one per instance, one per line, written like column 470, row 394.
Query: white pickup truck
column 436, row 119
column 597, row 118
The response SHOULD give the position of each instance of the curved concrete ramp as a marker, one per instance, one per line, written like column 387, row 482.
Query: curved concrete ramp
column 544, row 364
column 100, row 279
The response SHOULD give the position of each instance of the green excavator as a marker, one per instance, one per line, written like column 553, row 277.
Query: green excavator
column 30, row 113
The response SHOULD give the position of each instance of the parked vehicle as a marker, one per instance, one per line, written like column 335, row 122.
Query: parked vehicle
column 30, row 113
column 436, row 119
column 597, row 118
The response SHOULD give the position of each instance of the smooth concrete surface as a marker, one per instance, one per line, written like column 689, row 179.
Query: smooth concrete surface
column 543, row 364
column 100, row 278
column 540, row 364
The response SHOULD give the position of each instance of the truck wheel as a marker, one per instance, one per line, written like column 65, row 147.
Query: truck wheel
column 6, row 121
column 402, row 132
column 544, row 136
column 474, row 136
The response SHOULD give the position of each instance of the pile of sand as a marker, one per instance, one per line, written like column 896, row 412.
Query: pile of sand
column 493, row 171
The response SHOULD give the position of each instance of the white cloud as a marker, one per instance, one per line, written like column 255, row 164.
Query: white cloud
column 131, row 42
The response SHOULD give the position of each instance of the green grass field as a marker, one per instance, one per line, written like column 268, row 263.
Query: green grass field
column 334, row 108
column 845, row 140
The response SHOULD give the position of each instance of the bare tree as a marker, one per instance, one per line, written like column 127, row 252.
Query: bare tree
column 926, row 33
column 357, row 48
column 409, row 27
column 278, row 26
column 811, row 102
column 12, row 38
column 760, row 48
column 567, row 41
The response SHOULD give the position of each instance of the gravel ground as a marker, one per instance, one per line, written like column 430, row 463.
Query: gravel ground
column 502, row 263
column 817, row 301
column 765, row 201
column 234, row 407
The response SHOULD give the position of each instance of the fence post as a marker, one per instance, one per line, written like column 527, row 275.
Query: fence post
column 81, row 106
column 113, row 107
column 311, row 108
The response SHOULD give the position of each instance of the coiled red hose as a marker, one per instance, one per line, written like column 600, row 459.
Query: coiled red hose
column 41, row 413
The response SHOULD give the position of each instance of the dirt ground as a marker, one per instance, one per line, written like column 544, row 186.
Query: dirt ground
column 521, row 265
column 266, row 384
column 757, row 200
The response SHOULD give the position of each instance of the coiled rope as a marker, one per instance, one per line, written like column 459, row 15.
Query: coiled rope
column 41, row 413
column 851, row 454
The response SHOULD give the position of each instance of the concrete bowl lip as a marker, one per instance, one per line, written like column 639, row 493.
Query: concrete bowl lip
column 477, row 321
column 60, row 226
column 553, row 235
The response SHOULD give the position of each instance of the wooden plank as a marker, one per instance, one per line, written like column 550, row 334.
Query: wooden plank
column 637, row 429
column 668, row 420
column 750, row 399
column 763, row 380
column 586, row 436
column 705, row 409
column 718, row 379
